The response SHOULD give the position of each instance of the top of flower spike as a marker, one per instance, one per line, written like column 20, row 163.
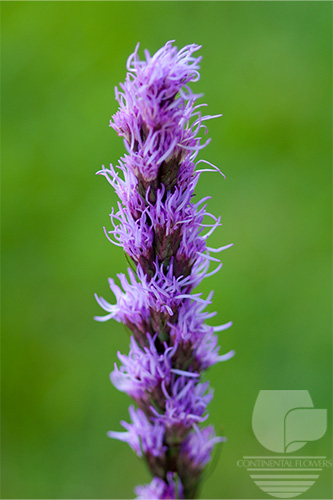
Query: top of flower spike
column 155, row 108
column 167, row 62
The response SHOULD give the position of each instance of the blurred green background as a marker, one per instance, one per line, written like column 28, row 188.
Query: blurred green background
column 267, row 67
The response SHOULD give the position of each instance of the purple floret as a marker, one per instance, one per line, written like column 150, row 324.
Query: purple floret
column 142, row 435
column 143, row 371
column 159, row 488
column 196, row 449
column 164, row 232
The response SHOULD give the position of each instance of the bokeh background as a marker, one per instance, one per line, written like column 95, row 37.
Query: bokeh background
column 267, row 67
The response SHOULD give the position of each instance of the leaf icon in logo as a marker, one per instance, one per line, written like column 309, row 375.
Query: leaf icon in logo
column 283, row 421
column 302, row 425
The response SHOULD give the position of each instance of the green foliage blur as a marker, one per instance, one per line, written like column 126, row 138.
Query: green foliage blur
column 267, row 67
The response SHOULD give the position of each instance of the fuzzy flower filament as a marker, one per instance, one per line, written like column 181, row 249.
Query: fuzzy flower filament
column 164, row 233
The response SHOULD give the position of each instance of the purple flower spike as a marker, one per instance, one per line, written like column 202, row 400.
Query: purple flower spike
column 164, row 233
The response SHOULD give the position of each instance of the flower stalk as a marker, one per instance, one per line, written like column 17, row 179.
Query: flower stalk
column 164, row 233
